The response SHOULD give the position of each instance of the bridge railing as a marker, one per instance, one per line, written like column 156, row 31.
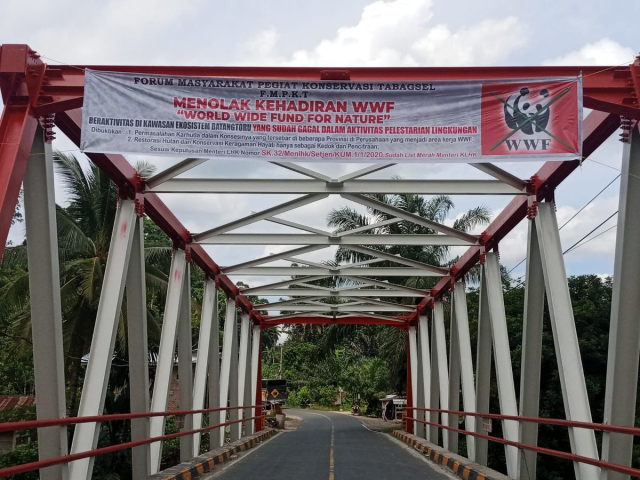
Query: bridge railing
column 36, row 424
column 601, row 427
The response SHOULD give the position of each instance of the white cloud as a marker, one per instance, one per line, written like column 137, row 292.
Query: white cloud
column 602, row 52
column 398, row 33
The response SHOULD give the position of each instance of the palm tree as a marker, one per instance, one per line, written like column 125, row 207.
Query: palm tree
column 84, row 235
column 393, row 341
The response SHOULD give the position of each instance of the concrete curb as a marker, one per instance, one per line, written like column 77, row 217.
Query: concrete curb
column 207, row 461
column 462, row 467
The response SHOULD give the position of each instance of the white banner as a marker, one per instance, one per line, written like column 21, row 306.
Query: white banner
column 332, row 121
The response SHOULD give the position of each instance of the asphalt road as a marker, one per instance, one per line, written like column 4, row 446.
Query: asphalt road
column 329, row 446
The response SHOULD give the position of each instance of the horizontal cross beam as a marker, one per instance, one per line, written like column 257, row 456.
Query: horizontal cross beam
column 374, row 271
column 308, row 239
column 295, row 186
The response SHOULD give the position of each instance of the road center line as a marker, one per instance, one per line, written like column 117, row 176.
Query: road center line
column 331, row 463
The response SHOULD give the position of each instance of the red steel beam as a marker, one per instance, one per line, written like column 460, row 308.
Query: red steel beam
column 17, row 131
column 611, row 89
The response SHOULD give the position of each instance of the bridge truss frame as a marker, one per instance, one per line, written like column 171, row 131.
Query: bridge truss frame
column 38, row 97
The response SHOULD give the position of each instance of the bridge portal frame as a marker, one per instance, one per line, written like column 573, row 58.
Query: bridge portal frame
column 34, row 93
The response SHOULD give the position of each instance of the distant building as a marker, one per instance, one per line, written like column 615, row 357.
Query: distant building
column 9, row 440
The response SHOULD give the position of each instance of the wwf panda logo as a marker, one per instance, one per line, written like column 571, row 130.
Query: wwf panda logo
column 522, row 106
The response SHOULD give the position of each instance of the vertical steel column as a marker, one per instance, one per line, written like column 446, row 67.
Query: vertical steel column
column 425, row 362
column 466, row 364
column 409, row 410
column 255, row 358
column 234, row 397
column 185, row 366
column 504, row 370
column 96, row 379
column 214, row 373
column 166, row 353
column 483, row 368
column 574, row 389
column 245, row 328
column 419, row 388
column 454, row 378
column 207, row 318
column 225, row 368
column 248, row 399
column 137, row 352
column 258, row 378
column 531, row 354
column 434, row 394
column 413, row 367
column 46, row 314
column 443, row 369
column 624, row 329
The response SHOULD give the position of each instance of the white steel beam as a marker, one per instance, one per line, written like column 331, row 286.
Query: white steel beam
column 299, row 186
column 398, row 259
column 378, row 302
column 174, row 171
column 364, row 171
column 255, row 217
column 425, row 371
column 294, row 281
column 300, row 261
column 360, row 264
column 531, row 354
column 410, row 217
column 277, row 318
column 419, row 429
column 504, row 371
column 166, row 353
column 308, row 292
column 341, row 308
column 45, row 303
column 574, row 389
column 624, row 329
column 413, row 356
column 245, row 330
column 273, row 258
column 502, row 175
column 328, row 271
column 225, row 368
column 307, row 172
column 234, row 399
column 434, row 397
column 104, row 337
column 185, row 366
column 290, row 302
column 466, row 364
column 483, row 368
column 248, row 412
column 443, row 369
column 138, row 352
column 454, row 379
column 256, row 339
column 306, row 239
column 394, row 286
column 297, row 226
column 366, row 228
column 214, row 373
column 207, row 318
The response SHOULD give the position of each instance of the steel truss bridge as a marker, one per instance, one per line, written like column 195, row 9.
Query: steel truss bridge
column 38, row 97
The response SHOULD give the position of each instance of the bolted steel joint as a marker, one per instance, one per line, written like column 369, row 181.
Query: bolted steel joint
column 47, row 123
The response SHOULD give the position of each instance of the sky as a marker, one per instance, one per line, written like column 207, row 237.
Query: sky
column 336, row 33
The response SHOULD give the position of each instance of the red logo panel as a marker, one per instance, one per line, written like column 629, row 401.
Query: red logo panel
column 530, row 118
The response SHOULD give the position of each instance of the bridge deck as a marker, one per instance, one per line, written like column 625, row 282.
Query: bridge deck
column 308, row 452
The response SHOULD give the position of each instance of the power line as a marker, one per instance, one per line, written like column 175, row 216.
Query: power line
column 601, row 233
column 574, row 216
column 575, row 244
